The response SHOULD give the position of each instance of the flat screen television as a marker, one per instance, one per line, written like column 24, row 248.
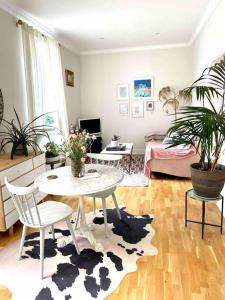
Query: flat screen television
column 92, row 125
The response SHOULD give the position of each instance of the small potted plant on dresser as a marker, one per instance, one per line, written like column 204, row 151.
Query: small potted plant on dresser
column 114, row 141
column 52, row 152
column 22, row 137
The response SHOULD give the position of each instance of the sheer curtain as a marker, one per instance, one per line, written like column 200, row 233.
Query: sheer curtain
column 44, row 81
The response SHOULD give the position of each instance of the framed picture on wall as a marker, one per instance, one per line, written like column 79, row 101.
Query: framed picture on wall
column 123, row 92
column 124, row 109
column 69, row 77
column 149, row 105
column 142, row 88
column 137, row 109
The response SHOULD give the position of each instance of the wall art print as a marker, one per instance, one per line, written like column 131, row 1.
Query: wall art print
column 142, row 88
column 137, row 109
column 123, row 92
column 124, row 109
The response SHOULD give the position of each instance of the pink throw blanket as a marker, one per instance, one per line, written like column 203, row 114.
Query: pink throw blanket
column 157, row 150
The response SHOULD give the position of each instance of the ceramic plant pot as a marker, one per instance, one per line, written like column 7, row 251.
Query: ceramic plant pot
column 114, row 143
column 52, row 159
column 19, row 149
column 208, row 184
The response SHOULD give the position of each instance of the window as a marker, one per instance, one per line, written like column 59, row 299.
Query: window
column 44, row 82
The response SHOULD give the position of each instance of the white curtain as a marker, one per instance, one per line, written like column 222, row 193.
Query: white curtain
column 44, row 81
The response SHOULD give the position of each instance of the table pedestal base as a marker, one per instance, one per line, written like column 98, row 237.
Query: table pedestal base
column 85, row 230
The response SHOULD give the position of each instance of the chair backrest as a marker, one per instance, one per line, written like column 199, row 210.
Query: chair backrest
column 105, row 157
column 24, row 201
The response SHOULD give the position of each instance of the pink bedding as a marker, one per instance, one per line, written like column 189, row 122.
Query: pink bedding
column 157, row 150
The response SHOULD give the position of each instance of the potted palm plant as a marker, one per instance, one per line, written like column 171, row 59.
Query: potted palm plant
column 22, row 136
column 204, row 128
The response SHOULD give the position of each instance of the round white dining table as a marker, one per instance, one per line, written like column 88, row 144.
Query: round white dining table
column 61, row 182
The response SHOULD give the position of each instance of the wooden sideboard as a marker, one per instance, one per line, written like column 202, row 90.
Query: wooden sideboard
column 20, row 171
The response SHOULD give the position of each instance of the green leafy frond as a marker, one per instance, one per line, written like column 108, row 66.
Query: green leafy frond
column 14, row 132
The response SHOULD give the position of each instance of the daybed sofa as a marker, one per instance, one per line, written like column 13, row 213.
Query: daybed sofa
column 173, row 161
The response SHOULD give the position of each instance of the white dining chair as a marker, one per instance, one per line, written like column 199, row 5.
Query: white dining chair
column 114, row 160
column 39, row 216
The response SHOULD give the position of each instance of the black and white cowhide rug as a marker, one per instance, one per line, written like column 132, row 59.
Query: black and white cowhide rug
column 90, row 275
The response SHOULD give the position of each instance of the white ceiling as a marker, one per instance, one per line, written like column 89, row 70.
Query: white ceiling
column 93, row 25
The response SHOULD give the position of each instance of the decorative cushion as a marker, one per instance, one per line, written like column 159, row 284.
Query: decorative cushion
column 155, row 137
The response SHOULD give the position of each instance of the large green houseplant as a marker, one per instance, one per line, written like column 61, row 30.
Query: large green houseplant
column 22, row 136
column 204, row 128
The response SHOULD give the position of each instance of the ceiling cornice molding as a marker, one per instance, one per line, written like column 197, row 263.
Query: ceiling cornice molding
column 133, row 49
column 205, row 18
column 22, row 14
column 68, row 45
column 26, row 17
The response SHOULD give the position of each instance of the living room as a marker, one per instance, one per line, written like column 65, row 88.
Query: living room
column 106, row 47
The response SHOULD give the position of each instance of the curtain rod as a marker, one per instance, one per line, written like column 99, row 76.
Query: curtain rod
column 20, row 22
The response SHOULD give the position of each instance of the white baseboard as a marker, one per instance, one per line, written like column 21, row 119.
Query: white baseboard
column 138, row 151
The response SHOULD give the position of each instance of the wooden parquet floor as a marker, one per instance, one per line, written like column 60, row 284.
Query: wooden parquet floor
column 186, row 267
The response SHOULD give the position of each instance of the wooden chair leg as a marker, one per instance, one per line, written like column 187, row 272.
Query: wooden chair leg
column 116, row 205
column 22, row 241
column 78, row 217
column 42, row 244
column 105, row 215
column 11, row 231
column 53, row 232
column 72, row 234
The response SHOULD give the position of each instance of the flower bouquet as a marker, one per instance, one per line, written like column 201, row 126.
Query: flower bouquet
column 76, row 147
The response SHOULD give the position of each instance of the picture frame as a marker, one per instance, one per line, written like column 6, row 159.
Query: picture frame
column 69, row 77
column 124, row 109
column 123, row 92
column 149, row 105
column 137, row 109
column 142, row 88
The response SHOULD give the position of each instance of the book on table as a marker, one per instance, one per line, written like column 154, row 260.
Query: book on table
column 117, row 148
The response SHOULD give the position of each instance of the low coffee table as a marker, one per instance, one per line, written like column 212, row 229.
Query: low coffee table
column 128, row 151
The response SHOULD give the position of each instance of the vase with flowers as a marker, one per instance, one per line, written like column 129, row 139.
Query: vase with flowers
column 76, row 147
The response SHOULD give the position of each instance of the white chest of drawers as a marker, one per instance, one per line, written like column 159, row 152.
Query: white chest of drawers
column 20, row 171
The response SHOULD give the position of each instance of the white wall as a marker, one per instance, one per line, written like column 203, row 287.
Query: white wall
column 210, row 44
column 71, row 62
column 11, row 67
column 100, row 75
column 12, row 81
